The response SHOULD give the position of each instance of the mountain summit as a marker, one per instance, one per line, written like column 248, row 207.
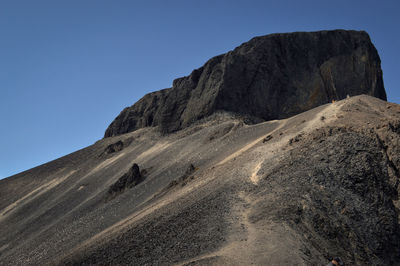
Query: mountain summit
column 269, row 77
column 216, row 190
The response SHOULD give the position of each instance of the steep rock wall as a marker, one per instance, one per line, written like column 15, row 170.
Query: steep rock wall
column 270, row 77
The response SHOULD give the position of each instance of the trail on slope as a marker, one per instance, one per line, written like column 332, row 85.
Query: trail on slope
column 251, row 144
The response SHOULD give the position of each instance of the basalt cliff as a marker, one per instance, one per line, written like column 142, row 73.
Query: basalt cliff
column 247, row 161
column 270, row 77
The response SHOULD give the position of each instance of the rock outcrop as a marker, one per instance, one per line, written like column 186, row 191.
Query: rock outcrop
column 270, row 77
column 116, row 147
column 130, row 179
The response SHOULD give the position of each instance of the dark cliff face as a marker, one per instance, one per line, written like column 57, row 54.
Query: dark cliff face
column 269, row 77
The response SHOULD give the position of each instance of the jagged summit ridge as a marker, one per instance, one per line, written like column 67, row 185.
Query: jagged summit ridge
column 269, row 77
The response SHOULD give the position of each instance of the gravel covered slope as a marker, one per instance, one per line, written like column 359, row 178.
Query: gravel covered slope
column 297, row 191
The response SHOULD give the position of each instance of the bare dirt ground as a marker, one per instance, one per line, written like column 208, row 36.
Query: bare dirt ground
column 273, row 193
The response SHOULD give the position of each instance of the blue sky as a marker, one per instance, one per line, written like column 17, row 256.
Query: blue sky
column 67, row 68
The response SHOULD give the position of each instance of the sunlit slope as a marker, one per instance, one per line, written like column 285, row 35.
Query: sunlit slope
column 319, row 184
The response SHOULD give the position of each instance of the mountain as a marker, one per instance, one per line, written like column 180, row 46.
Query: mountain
column 219, row 191
column 270, row 77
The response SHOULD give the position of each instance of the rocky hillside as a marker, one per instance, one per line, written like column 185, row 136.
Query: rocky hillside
column 320, row 181
column 270, row 77
column 296, row 191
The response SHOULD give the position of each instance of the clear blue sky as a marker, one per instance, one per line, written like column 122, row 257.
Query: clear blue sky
column 67, row 68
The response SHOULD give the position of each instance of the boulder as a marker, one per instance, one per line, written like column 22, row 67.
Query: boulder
column 130, row 179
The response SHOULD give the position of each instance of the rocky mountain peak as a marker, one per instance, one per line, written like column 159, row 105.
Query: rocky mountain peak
column 269, row 77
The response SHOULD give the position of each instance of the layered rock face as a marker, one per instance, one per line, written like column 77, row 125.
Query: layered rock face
column 270, row 77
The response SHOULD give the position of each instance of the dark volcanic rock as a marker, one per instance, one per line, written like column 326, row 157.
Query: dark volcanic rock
column 132, row 178
column 338, row 193
column 269, row 77
column 114, row 147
